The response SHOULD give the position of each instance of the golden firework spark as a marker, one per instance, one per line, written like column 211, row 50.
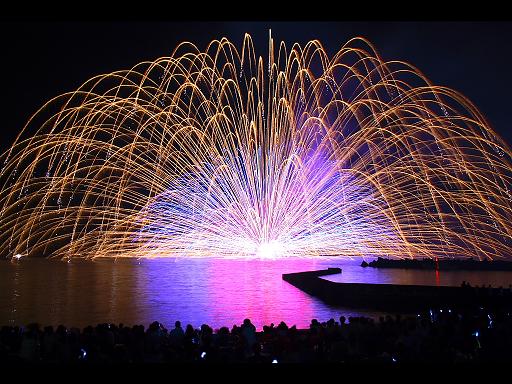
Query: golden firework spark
column 221, row 153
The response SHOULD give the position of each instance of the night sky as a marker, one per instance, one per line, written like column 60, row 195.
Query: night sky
column 44, row 59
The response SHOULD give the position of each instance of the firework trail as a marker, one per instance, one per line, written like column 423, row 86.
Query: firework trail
column 219, row 153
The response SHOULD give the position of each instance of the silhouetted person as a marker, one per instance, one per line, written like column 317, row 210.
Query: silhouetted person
column 176, row 335
column 29, row 350
column 248, row 333
column 48, row 344
column 314, row 324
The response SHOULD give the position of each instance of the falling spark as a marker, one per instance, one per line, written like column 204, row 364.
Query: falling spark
column 206, row 154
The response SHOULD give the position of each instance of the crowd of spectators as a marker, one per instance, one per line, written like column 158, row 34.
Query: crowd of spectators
column 437, row 336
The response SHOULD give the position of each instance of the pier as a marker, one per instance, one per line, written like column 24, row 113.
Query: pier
column 394, row 297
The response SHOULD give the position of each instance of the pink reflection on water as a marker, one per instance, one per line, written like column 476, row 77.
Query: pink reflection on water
column 232, row 295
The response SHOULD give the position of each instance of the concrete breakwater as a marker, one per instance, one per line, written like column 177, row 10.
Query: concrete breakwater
column 395, row 297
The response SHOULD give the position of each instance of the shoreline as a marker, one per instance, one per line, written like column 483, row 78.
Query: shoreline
column 468, row 264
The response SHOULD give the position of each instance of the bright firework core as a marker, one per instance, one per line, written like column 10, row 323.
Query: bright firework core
column 219, row 153
column 270, row 250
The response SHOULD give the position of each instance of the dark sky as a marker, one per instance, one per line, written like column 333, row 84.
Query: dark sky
column 43, row 59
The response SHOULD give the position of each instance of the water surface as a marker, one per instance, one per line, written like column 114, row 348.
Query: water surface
column 216, row 292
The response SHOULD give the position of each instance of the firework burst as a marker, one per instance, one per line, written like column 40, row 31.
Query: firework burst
column 219, row 153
